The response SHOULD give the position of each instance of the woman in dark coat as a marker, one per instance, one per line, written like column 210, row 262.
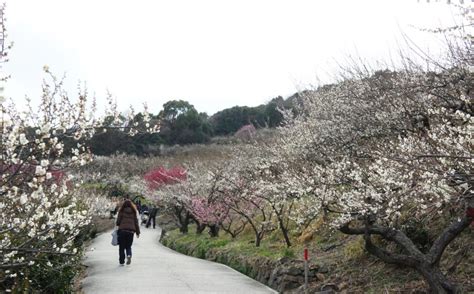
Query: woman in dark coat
column 127, row 221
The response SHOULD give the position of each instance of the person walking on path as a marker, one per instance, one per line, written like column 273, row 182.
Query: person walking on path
column 127, row 222
column 152, row 217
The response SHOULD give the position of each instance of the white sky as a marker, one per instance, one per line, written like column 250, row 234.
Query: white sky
column 213, row 53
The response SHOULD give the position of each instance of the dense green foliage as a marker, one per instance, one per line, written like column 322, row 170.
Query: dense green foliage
column 116, row 141
column 182, row 124
column 228, row 121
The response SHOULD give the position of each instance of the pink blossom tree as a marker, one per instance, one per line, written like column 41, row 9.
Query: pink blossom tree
column 162, row 176
column 169, row 187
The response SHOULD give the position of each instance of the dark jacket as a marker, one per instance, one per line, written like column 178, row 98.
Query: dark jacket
column 153, row 212
column 127, row 220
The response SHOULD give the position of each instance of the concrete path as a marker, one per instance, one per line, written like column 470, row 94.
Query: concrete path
column 158, row 269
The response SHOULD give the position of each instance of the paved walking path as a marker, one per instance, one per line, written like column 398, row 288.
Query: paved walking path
column 158, row 269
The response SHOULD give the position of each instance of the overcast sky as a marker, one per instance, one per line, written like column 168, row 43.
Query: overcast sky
column 214, row 54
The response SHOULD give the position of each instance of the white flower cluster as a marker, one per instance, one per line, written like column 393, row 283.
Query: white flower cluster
column 41, row 209
column 386, row 153
column 391, row 147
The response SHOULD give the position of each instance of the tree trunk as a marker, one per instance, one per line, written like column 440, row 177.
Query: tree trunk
column 425, row 264
column 281, row 224
column 200, row 228
column 437, row 280
column 214, row 230
column 258, row 240
column 284, row 231
column 183, row 229
column 258, row 235
column 185, row 223
column 229, row 231
column 287, row 239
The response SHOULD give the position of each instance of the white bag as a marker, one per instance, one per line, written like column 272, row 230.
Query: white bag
column 115, row 237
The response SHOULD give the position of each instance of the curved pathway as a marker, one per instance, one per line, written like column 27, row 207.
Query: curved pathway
column 158, row 269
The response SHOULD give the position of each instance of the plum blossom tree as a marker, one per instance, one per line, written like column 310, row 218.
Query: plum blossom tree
column 269, row 178
column 206, row 209
column 190, row 193
column 162, row 176
column 42, row 212
column 170, row 188
column 380, row 152
column 233, row 224
column 238, row 189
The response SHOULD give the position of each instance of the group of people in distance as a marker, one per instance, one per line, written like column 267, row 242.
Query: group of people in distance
column 127, row 223
column 148, row 215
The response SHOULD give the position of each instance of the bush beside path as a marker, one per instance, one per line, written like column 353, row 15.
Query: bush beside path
column 157, row 269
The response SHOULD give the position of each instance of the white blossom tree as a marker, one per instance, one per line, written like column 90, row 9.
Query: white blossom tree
column 381, row 151
column 42, row 210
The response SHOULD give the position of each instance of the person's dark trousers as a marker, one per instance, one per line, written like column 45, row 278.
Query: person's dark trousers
column 125, row 239
column 150, row 219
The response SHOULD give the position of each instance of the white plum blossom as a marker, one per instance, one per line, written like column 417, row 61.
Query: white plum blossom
column 23, row 198
column 40, row 171
column 23, row 140
column 40, row 206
